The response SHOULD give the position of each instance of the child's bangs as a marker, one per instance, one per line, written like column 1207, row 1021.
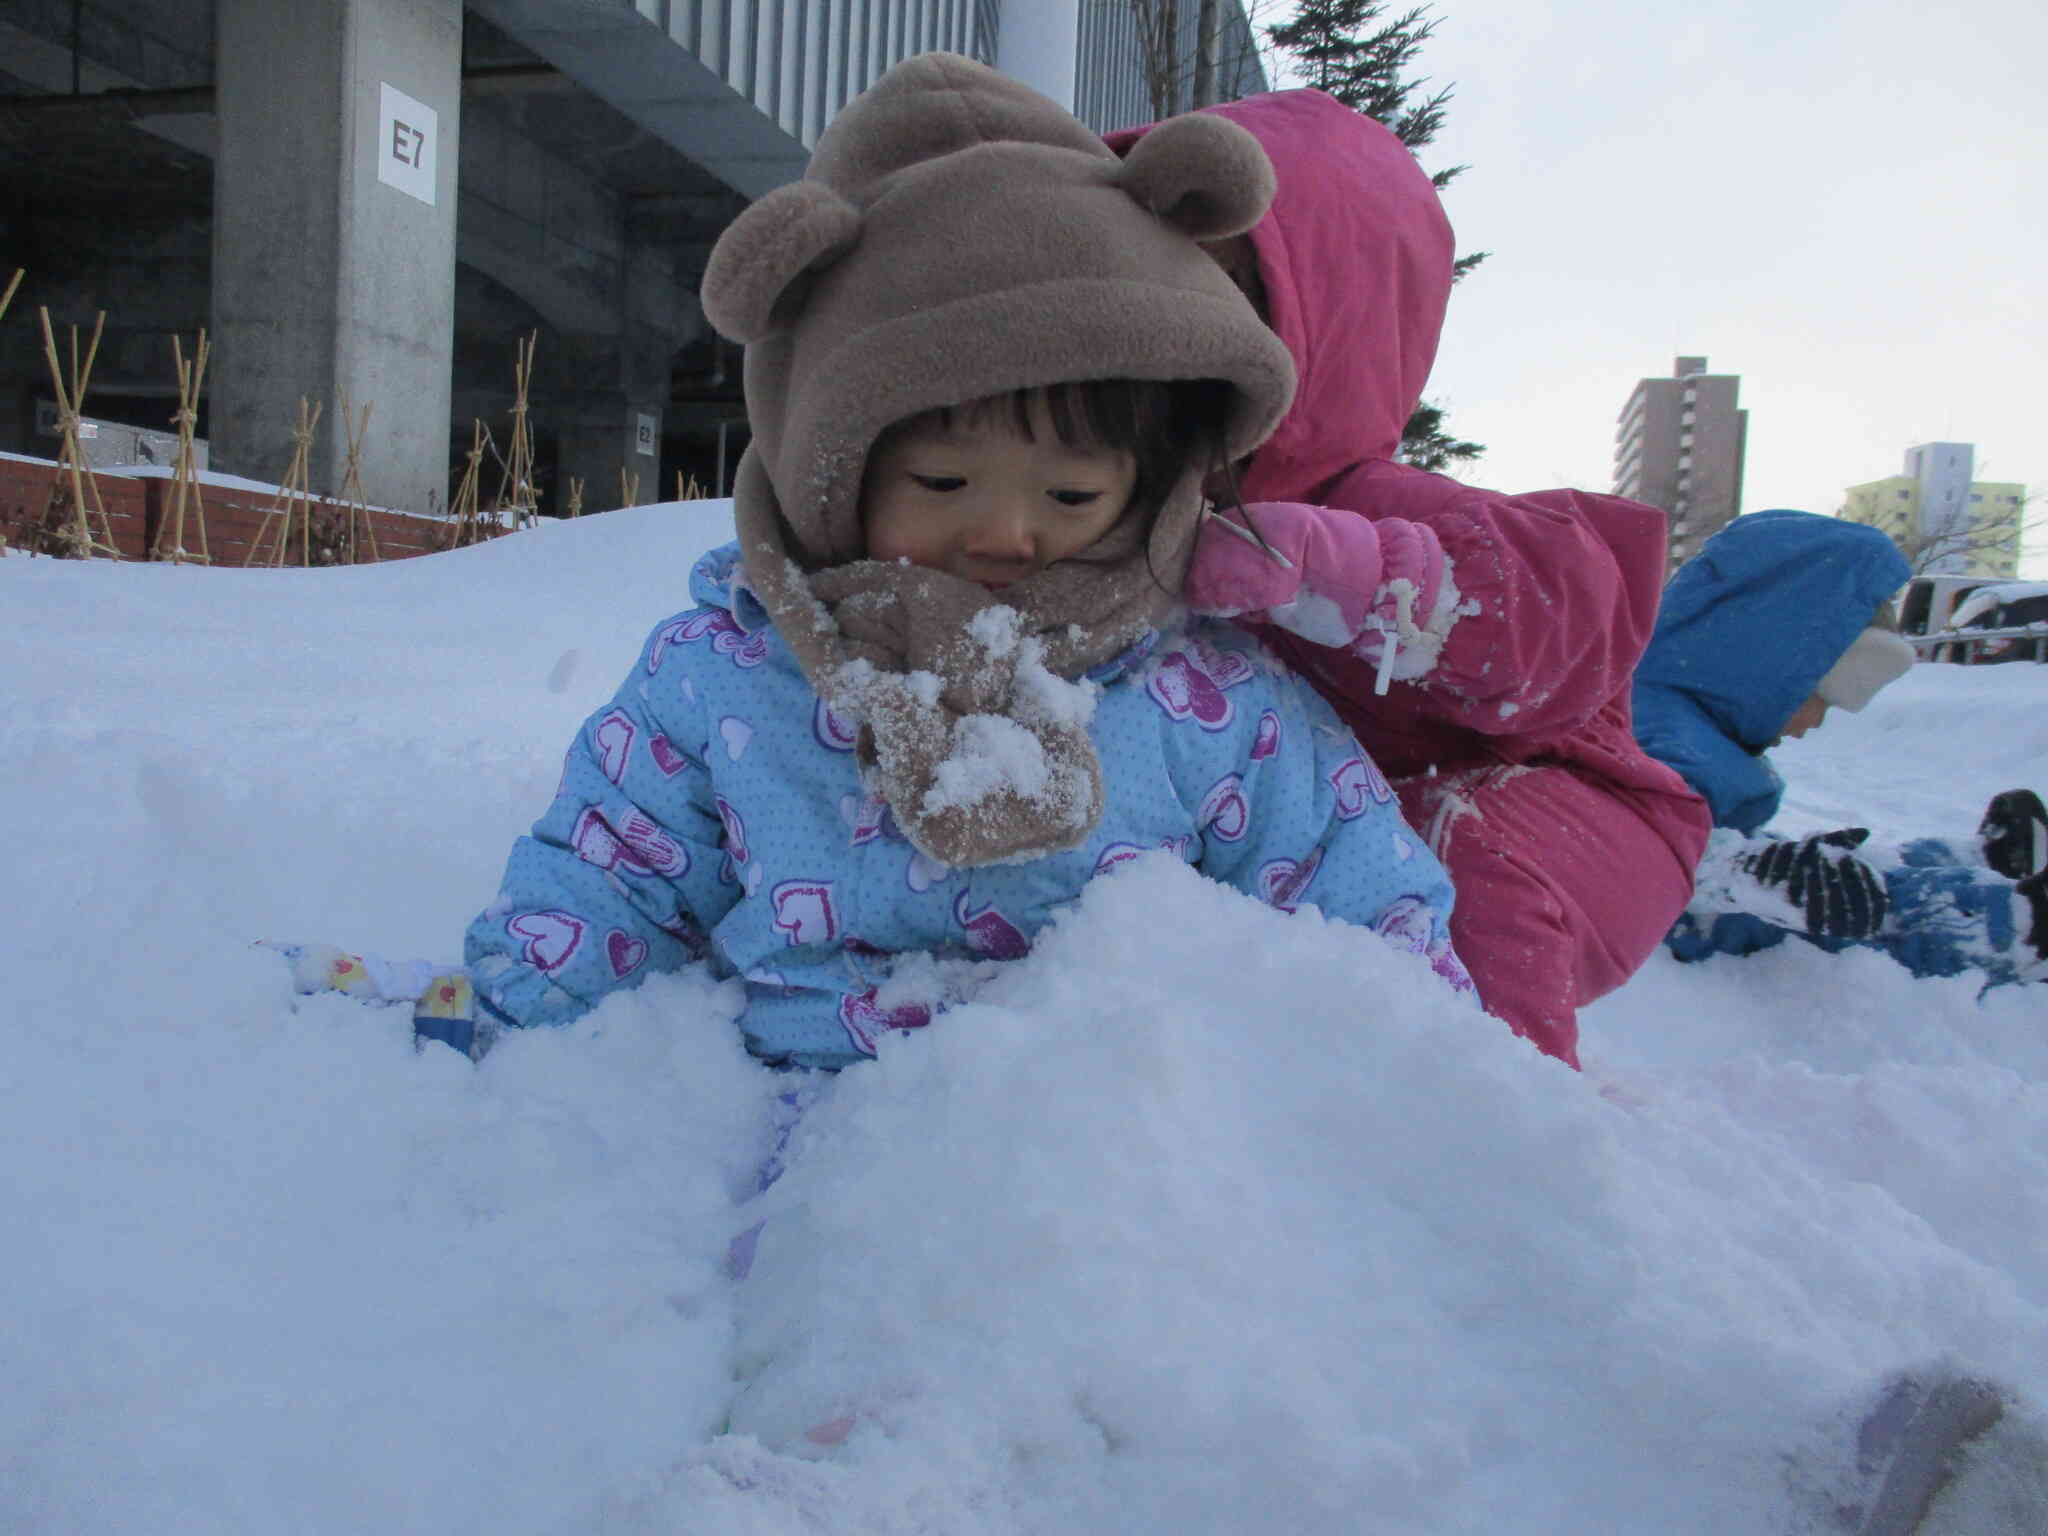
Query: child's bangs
column 1117, row 414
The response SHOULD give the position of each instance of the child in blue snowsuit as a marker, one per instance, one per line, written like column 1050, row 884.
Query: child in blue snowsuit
column 1781, row 616
column 941, row 681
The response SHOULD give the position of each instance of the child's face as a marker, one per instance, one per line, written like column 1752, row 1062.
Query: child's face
column 1805, row 717
column 981, row 502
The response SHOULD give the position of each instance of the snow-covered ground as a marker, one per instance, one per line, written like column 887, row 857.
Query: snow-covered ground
column 1203, row 1219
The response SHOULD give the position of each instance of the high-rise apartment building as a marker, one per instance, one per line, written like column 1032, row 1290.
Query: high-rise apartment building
column 1947, row 522
column 1678, row 445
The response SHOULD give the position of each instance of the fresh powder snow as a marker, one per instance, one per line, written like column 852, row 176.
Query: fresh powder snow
column 1200, row 1219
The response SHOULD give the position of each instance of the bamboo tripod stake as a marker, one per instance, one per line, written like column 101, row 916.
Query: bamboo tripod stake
column 521, row 503
column 184, row 478
column 467, row 529
column 70, row 457
column 292, row 494
column 7, row 298
column 629, row 488
column 352, row 481
column 575, row 495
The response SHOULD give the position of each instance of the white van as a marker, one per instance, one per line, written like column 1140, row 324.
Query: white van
column 1930, row 602
column 2016, row 615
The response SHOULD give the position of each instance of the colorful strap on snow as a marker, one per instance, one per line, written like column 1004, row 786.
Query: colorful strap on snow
column 445, row 1004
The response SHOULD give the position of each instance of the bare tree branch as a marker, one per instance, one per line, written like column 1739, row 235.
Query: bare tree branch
column 1185, row 70
column 1970, row 541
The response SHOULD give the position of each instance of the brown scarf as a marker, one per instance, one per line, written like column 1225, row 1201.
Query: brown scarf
column 974, row 724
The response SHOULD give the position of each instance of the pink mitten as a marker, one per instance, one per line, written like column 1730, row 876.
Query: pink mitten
column 1330, row 576
column 1412, row 579
column 1278, row 555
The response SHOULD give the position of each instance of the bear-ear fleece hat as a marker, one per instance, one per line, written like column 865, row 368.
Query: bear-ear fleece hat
column 958, row 236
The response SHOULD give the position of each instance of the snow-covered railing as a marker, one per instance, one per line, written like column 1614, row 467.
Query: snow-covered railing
column 1965, row 643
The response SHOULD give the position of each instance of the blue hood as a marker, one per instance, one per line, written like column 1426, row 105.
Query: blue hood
column 1749, row 625
column 1747, row 628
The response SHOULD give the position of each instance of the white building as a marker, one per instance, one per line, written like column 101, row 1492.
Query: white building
column 1948, row 522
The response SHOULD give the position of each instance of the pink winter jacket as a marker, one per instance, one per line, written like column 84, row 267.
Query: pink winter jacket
column 1561, row 890
column 1355, row 255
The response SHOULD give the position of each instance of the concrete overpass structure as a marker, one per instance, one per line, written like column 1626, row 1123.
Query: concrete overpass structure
column 376, row 200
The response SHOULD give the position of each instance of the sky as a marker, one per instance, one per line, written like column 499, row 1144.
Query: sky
column 1844, row 203
column 1200, row 1218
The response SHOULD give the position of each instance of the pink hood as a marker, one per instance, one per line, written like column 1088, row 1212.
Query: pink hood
column 1563, row 887
column 1561, row 586
column 1355, row 246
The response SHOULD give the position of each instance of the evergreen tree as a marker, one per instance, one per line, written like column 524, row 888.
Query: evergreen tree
column 1335, row 53
column 1345, row 48
column 1426, row 445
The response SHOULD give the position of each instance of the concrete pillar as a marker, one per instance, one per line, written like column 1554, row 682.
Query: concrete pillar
column 602, row 433
column 616, row 418
column 601, row 425
column 1039, row 45
column 334, row 235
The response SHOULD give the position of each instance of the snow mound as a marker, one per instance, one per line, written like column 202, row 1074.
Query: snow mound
column 1201, row 1218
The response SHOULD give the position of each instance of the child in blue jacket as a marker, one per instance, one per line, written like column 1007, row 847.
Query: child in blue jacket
column 1780, row 617
column 942, row 680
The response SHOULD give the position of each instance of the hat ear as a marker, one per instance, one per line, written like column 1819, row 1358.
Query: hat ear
column 1202, row 174
column 799, row 228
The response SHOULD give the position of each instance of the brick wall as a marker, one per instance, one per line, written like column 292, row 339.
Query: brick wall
column 140, row 513
column 25, row 486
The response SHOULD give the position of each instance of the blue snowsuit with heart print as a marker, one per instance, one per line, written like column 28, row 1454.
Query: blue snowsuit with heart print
column 715, row 809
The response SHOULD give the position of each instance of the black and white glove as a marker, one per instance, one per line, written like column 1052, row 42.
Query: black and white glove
column 1843, row 897
column 2014, row 834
